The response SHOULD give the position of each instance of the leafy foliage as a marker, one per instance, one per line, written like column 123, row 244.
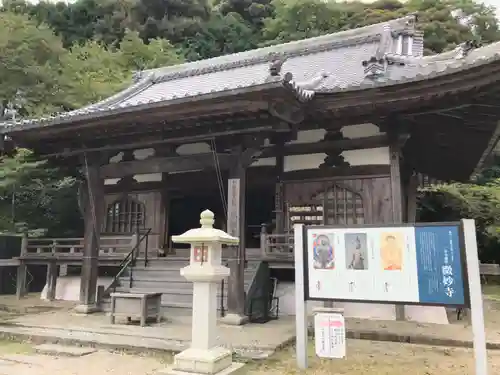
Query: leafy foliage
column 480, row 201
column 36, row 195
column 30, row 57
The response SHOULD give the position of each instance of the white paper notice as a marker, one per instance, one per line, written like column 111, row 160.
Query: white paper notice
column 329, row 333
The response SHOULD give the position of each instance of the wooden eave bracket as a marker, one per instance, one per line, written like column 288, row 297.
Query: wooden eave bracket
column 397, row 129
column 250, row 149
column 287, row 109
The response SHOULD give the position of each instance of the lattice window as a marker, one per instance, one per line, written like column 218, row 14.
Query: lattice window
column 333, row 205
column 341, row 206
column 125, row 215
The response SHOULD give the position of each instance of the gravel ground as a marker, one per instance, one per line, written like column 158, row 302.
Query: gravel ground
column 363, row 357
column 379, row 358
column 20, row 359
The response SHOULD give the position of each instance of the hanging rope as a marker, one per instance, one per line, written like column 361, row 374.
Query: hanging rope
column 220, row 181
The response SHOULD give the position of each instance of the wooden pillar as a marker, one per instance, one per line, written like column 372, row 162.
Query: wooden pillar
column 51, row 280
column 396, row 193
column 236, row 226
column 22, row 269
column 279, row 203
column 93, row 207
column 411, row 198
column 164, row 220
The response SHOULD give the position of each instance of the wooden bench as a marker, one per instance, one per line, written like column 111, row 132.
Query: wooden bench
column 142, row 306
column 485, row 270
column 488, row 269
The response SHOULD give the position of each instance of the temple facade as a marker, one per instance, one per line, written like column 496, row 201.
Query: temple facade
column 337, row 129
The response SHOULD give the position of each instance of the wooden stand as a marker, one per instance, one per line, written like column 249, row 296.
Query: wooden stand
column 136, row 305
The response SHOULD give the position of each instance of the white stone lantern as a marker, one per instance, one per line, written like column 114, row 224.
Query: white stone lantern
column 206, row 271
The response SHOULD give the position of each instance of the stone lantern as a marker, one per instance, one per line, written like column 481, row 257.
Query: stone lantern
column 206, row 272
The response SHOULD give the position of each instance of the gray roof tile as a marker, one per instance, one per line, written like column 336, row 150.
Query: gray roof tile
column 330, row 63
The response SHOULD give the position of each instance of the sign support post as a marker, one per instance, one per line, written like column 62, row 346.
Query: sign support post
column 300, row 303
column 476, row 297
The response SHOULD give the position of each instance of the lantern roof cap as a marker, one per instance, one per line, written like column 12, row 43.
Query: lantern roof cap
column 206, row 233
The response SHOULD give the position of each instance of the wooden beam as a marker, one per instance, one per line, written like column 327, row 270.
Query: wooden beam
column 146, row 141
column 323, row 146
column 164, row 165
column 189, row 182
column 338, row 173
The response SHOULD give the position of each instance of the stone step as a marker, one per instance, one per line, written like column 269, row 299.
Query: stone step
column 63, row 350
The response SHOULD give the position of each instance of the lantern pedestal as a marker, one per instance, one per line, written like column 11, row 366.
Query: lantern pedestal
column 206, row 272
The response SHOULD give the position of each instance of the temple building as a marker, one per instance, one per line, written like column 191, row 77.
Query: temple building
column 337, row 129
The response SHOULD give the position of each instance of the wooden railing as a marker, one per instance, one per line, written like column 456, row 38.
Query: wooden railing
column 109, row 245
column 276, row 246
column 128, row 261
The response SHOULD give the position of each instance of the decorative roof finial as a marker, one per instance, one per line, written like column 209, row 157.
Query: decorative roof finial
column 465, row 48
column 207, row 219
column 276, row 65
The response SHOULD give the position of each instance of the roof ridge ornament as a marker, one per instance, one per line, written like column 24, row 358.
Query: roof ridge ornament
column 463, row 49
column 276, row 64
column 137, row 75
column 314, row 82
column 376, row 66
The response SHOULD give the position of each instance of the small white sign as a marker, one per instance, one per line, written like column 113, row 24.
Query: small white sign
column 63, row 270
column 329, row 333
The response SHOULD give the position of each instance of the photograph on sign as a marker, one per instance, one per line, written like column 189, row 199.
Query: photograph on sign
column 411, row 264
column 323, row 252
column 356, row 251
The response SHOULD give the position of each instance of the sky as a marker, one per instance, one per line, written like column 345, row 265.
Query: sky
column 495, row 3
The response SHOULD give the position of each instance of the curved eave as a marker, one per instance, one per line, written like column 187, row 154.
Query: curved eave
column 410, row 93
column 97, row 115
column 425, row 68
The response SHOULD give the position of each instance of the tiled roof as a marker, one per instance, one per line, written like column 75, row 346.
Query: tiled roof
column 330, row 63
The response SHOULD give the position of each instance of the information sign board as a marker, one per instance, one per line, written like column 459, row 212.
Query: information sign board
column 329, row 335
column 417, row 264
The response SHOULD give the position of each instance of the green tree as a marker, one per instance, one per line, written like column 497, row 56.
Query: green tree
column 135, row 55
column 93, row 71
column 252, row 12
column 169, row 19
column 221, row 35
column 453, row 202
column 31, row 57
column 299, row 19
column 35, row 196
column 451, row 22
column 446, row 23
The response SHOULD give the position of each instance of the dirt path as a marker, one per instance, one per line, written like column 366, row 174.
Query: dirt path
column 20, row 359
column 378, row 358
column 363, row 357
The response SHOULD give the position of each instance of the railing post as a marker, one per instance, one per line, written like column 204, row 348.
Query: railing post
column 146, row 249
column 22, row 269
column 263, row 240
column 135, row 244
column 135, row 249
